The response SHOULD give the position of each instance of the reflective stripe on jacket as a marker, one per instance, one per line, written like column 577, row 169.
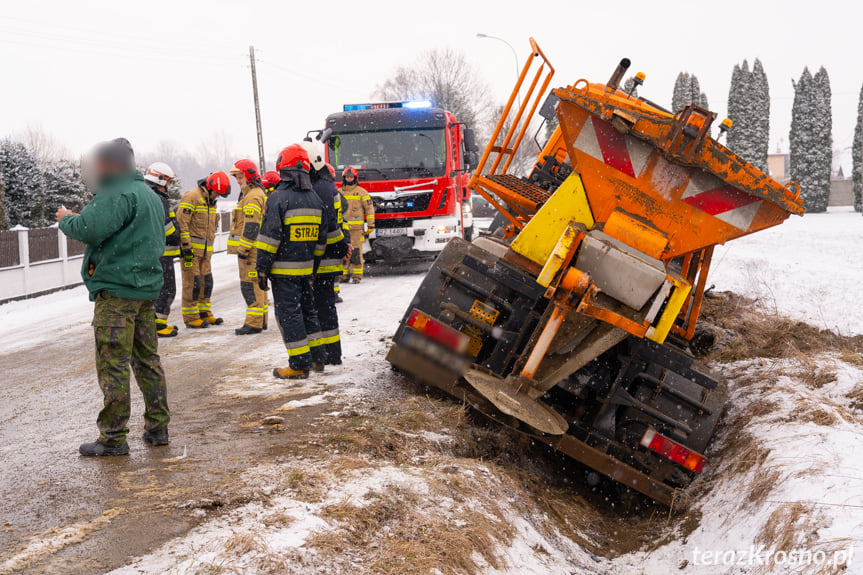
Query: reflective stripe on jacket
column 293, row 232
column 197, row 220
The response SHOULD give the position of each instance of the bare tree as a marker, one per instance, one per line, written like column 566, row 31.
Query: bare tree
column 447, row 79
column 43, row 145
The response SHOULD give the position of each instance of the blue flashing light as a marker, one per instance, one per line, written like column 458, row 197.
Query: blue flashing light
column 411, row 105
column 417, row 104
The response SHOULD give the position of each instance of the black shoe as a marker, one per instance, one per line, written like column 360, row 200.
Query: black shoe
column 247, row 329
column 333, row 361
column 96, row 449
column 339, row 299
column 158, row 437
column 318, row 366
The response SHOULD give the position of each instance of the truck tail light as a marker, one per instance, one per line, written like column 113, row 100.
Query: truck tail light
column 669, row 449
column 443, row 334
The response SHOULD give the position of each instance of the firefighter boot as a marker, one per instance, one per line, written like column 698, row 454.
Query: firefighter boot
column 247, row 329
column 209, row 317
column 288, row 373
column 96, row 449
column 197, row 324
column 165, row 330
column 318, row 366
column 156, row 438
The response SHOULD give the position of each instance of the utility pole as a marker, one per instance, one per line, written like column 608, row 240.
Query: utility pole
column 263, row 167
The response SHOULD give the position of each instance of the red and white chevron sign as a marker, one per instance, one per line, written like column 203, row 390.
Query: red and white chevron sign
column 601, row 141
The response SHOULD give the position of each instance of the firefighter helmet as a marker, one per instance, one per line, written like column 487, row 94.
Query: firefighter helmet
column 219, row 183
column 316, row 156
column 271, row 180
column 332, row 171
column 294, row 156
column 248, row 169
column 160, row 174
column 352, row 171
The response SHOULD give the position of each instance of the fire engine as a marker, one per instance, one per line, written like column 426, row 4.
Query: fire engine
column 414, row 160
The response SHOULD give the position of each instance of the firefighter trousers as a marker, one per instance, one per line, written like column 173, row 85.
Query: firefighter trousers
column 167, row 293
column 325, row 302
column 254, row 296
column 197, row 286
column 355, row 267
column 298, row 320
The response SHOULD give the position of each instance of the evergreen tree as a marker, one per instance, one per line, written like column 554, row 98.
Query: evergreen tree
column 3, row 225
column 811, row 139
column 687, row 90
column 24, row 185
column 63, row 187
column 857, row 152
column 749, row 109
column 823, row 138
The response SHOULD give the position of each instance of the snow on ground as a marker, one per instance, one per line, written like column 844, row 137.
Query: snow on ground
column 806, row 268
column 798, row 484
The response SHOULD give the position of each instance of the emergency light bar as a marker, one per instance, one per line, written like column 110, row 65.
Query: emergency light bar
column 411, row 104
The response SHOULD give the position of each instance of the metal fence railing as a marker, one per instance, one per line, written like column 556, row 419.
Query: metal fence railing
column 43, row 244
column 9, row 253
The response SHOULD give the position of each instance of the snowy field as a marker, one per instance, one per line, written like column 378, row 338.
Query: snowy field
column 787, row 470
column 805, row 268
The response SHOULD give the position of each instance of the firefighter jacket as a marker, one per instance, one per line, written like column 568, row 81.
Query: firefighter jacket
column 337, row 239
column 246, row 220
column 360, row 209
column 172, row 230
column 294, row 230
column 198, row 219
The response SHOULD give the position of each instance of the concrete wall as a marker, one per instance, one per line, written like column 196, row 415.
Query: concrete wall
column 841, row 193
column 31, row 279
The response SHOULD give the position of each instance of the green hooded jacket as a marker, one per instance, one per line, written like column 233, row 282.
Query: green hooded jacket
column 124, row 230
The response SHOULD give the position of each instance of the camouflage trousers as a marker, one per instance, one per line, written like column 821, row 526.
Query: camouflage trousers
column 126, row 334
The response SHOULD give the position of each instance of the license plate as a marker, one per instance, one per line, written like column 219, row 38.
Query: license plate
column 392, row 231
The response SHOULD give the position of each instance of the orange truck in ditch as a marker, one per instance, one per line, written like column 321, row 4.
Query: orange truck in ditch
column 571, row 322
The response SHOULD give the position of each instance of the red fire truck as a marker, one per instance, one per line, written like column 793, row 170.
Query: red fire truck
column 414, row 159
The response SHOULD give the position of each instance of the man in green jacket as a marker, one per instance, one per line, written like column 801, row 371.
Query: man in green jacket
column 123, row 228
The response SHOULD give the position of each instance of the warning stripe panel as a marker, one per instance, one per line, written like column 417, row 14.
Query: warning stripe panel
column 720, row 200
column 613, row 146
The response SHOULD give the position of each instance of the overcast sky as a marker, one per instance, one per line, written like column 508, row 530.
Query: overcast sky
column 90, row 70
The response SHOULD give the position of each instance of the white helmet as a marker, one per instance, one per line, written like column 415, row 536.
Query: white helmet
column 159, row 173
column 316, row 155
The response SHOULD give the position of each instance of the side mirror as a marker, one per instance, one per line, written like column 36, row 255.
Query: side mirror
column 469, row 140
column 325, row 134
column 472, row 158
column 549, row 106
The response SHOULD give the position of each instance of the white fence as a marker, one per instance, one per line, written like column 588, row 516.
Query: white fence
column 42, row 260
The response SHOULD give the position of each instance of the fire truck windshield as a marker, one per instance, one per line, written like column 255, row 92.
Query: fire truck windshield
column 391, row 153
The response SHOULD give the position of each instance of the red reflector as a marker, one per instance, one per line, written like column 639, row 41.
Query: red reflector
column 437, row 331
column 667, row 448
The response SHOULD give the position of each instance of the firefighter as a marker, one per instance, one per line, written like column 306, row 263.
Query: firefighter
column 158, row 176
column 245, row 224
column 198, row 218
column 341, row 203
column 291, row 241
column 360, row 215
column 270, row 181
column 330, row 268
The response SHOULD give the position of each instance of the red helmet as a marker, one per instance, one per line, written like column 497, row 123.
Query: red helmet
column 332, row 171
column 351, row 170
column 271, row 180
column 248, row 169
column 219, row 183
column 294, row 156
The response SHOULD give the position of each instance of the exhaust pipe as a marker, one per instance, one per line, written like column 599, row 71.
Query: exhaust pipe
column 615, row 79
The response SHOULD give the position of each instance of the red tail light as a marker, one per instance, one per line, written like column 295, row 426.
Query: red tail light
column 669, row 449
column 443, row 334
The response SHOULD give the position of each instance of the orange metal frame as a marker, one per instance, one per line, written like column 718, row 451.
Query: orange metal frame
column 518, row 125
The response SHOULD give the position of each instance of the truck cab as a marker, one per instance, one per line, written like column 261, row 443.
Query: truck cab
column 413, row 159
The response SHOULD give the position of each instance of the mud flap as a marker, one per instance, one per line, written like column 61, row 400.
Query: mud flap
column 520, row 405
